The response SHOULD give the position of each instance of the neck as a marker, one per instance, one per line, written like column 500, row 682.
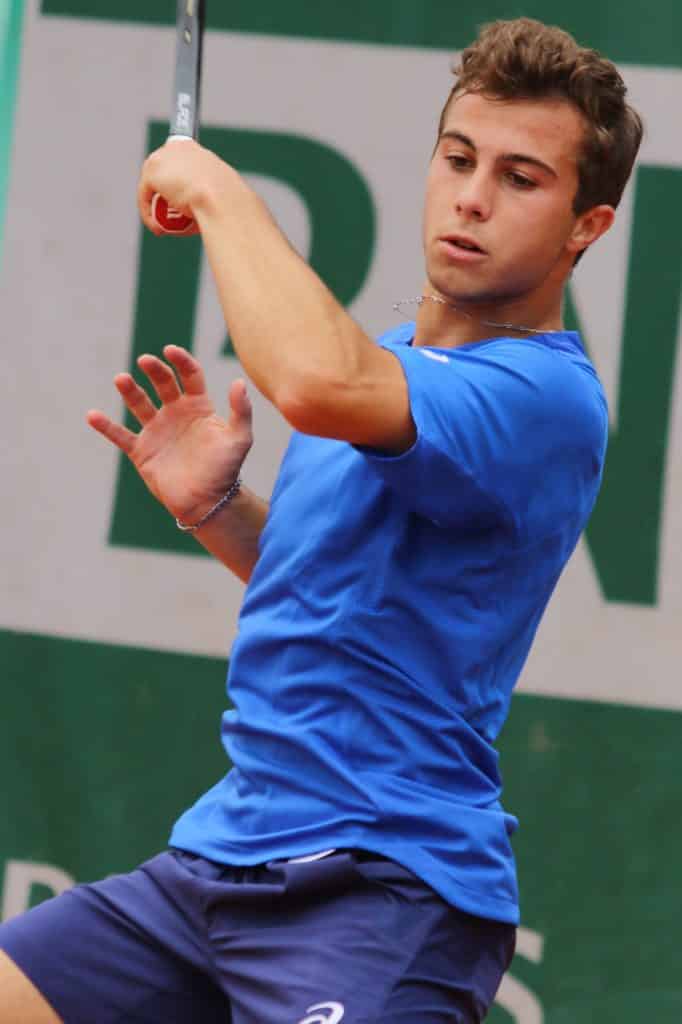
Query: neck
column 445, row 323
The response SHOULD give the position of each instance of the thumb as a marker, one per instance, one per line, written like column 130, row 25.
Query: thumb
column 240, row 406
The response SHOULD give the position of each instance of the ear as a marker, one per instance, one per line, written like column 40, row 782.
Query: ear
column 590, row 226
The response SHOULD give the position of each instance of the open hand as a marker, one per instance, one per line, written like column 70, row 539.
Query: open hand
column 187, row 455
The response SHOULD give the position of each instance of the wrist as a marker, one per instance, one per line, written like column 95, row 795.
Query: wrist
column 222, row 196
column 197, row 519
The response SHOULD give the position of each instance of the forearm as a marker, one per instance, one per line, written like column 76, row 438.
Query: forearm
column 232, row 534
column 291, row 335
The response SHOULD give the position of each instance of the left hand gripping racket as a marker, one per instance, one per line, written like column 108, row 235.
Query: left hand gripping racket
column 184, row 123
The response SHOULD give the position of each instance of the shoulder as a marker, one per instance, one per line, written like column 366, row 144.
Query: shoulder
column 552, row 373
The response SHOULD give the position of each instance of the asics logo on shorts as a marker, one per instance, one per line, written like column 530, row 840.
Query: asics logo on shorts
column 324, row 1013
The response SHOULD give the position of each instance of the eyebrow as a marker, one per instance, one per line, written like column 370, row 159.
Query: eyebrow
column 513, row 158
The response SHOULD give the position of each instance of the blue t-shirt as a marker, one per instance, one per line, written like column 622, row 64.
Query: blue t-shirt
column 389, row 616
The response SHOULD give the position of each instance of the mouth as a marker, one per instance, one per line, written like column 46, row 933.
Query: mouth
column 463, row 243
column 460, row 250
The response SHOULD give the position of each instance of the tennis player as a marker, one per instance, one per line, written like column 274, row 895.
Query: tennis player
column 355, row 864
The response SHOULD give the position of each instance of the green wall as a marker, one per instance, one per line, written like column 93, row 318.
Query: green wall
column 621, row 30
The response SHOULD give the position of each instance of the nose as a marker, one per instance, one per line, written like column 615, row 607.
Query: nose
column 474, row 197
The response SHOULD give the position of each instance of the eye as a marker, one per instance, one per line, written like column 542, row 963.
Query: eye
column 520, row 180
column 458, row 161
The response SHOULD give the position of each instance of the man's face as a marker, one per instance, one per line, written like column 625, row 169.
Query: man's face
column 503, row 177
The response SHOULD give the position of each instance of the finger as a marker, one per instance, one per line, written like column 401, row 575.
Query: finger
column 136, row 399
column 241, row 412
column 114, row 432
column 145, row 194
column 188, row 369
column 164, row 381
column 146, row 191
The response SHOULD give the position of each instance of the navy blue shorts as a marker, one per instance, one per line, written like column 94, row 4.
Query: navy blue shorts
column 347, row 939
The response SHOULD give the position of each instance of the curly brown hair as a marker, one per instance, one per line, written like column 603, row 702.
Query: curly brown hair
column 525, row 59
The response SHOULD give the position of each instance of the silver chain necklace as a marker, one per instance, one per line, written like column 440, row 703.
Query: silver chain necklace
column 419, row 300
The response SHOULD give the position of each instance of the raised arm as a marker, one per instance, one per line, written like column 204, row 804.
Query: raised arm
column 188, row 456
column 294, row 340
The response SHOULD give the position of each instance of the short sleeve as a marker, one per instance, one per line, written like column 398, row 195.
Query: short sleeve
column 509, row 432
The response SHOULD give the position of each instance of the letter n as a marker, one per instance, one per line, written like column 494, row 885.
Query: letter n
column 625, row 530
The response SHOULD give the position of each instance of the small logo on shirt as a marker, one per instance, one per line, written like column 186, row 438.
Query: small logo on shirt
column 324, row 1013
column 434, row 355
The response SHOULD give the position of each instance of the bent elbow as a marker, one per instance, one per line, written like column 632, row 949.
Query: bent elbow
column 313, row 405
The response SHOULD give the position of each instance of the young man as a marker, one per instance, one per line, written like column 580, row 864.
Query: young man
column 355, row 865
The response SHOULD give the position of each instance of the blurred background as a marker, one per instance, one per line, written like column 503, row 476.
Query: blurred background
column 115, row 629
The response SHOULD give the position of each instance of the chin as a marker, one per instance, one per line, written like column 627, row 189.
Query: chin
column 462, row 295
column 471, row 293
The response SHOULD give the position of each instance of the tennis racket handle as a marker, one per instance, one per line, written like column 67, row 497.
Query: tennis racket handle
column 166, row 217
